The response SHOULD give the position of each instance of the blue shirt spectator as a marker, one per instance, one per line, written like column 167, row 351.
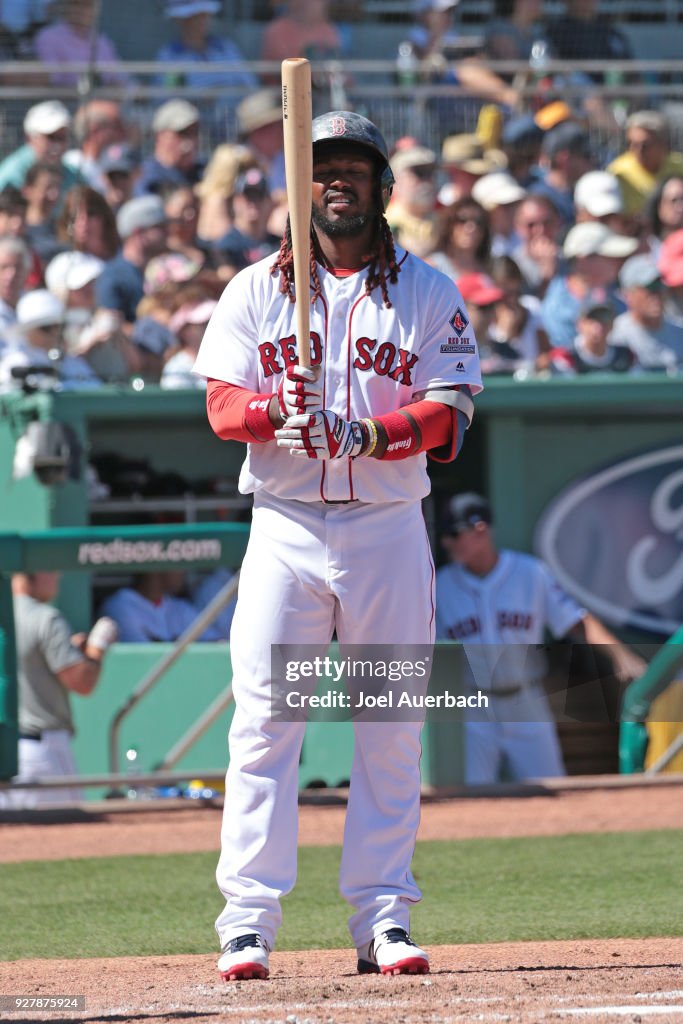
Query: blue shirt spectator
column 595, row 254
column 175, row 161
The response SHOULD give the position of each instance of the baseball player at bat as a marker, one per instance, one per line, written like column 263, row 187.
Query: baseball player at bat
column 336, row 461
column 499, row 604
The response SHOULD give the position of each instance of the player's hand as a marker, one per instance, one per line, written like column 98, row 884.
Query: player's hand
column 324, row 435
column 300, row 391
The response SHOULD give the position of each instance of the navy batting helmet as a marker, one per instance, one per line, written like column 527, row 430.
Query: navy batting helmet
column 347, row 126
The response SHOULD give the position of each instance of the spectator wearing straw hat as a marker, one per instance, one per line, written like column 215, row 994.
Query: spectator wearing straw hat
column 259, row 121
column 411, row 213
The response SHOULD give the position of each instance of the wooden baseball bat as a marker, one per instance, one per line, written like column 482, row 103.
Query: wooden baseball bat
column 297, row 118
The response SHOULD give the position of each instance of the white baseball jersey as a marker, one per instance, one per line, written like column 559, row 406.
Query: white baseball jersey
column 501, row 618
column 375, row 360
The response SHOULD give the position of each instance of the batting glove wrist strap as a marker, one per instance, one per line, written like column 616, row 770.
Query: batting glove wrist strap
column 324, row 435
column 300, row 391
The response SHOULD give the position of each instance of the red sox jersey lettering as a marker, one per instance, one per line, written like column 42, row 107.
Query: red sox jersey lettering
column 286, row 348
column 388, row 360
column 375, row 360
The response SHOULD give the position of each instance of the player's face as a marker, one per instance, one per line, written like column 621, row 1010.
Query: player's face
column 344, row 185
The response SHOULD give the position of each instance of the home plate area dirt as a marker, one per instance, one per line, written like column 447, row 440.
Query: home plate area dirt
column 529, row 982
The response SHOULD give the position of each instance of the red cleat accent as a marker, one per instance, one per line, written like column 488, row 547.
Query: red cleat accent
column 245, row 972
column 411, row 965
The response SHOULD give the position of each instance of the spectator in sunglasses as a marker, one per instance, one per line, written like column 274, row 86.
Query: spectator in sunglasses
column 465, row 240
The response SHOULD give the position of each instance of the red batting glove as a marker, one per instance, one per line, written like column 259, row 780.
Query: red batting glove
column 324, row 435
column 300, row 391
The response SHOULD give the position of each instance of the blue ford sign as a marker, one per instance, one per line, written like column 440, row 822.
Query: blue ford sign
column 615, row 540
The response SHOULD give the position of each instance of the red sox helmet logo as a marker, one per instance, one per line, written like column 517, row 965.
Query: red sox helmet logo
column 459, row 322
column 338, row 126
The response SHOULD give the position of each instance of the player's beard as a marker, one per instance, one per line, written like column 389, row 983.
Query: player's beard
column 349, row 227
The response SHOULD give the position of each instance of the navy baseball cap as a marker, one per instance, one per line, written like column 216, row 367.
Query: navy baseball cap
column 252, row 182
column 465, row 511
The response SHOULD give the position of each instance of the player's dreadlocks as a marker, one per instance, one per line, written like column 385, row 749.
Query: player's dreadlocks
column 384, row 267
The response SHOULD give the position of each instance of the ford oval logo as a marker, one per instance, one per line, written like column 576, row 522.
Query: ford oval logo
column 615, row 540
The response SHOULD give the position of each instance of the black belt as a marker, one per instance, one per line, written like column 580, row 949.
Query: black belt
column 37, row 735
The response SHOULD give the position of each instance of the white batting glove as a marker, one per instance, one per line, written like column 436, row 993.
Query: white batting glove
column 300, row 391
column 103, row 634
column 324, row 435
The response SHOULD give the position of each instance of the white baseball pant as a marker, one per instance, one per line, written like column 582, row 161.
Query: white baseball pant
column 365, row 570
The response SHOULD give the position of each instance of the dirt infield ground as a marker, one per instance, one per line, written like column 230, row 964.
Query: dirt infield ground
column 606, row 980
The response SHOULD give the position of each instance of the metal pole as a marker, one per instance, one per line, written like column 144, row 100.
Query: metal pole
column 214, row 710
column 668, row 755
column 204, row 619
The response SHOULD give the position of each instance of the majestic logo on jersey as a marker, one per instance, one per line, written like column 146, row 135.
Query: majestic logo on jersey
column 277, row 357
column 338, row 126
column 387, row 361
column 460, row 368
column 626, row 568
column 459, row 322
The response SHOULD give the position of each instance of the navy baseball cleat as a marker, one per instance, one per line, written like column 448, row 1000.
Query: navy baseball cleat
column 392, row 952
column 244, row 958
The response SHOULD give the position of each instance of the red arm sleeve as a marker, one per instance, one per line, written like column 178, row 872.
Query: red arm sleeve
column 421, row 427
column 236, row 414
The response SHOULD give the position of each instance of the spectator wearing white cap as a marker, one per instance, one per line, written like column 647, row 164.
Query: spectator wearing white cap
column 141, row 223
column 656, row 342
column 46, row 127
column 500, row 196
column 594, row 255
column 175, row 160
column 188, row 324
column 597, row 196
column 411, row 212
column 70, row 41
column 38, row 342
column 95, row 334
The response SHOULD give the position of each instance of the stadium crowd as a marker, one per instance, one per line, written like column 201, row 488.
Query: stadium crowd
column 113, row 254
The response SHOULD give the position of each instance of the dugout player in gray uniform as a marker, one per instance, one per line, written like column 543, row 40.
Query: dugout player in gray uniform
column 500, row 604
column 52, row 663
